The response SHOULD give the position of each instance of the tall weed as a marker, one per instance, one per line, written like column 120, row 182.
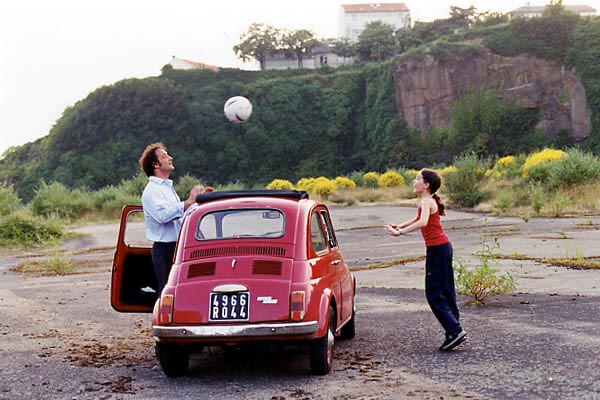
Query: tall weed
column 483, row 280
column 464, row 187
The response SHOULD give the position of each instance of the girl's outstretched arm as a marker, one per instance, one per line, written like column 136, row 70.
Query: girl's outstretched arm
column 414, row 224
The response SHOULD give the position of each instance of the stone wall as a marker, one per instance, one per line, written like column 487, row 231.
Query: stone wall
column 426, row 88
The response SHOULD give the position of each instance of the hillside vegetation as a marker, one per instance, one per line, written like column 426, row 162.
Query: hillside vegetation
column 305, row 122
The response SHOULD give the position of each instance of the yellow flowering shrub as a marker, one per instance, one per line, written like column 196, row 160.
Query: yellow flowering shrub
column 371, row 179
column 305, row 184
column 390, row 179
column 505, row 162
column 344, row 183
column 280, row 184
column 324, row 187
column 503, row 167
column 536, row 165
column 447, row 170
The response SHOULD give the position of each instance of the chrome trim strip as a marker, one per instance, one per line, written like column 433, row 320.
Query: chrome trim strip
column 221, row 331
column 231, row 287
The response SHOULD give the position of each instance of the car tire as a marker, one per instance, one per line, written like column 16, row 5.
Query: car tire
column 321, row 349
column 173, row 358
column 348, row 331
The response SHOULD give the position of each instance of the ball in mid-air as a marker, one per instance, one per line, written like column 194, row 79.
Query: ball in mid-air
column 238, row 109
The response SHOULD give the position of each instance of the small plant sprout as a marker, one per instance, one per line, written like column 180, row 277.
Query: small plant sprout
column 483, row 280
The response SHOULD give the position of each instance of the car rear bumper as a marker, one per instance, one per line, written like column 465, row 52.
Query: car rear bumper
column 234, row 331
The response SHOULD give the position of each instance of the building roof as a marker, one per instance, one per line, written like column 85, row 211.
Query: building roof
column 375, row 7
column 540, row 9
column 195, row 65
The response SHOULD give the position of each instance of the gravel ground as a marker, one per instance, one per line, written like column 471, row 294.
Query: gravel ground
column 62, row 340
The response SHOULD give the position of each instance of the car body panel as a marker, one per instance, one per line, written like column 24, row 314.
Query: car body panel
column 213, row 270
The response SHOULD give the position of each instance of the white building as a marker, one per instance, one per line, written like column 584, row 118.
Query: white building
column 529, row 11
column 354, row 17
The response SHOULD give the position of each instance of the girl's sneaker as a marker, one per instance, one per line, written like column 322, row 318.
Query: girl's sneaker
column 453, row 340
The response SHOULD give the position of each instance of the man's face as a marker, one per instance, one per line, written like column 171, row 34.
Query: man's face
column 165, row 162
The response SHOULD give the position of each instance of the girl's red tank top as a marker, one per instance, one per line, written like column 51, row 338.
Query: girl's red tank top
column 433, row 233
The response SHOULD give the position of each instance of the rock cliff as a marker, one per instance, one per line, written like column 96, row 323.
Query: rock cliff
column 427, row 87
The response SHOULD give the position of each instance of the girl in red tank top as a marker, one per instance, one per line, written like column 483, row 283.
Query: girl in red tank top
column 439, row 274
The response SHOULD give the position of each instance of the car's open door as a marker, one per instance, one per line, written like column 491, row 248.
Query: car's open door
column 133, row 282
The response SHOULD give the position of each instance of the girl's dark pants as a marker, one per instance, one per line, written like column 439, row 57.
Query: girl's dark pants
column 439, row 287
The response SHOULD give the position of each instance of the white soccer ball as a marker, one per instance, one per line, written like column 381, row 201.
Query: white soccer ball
column 237, row 109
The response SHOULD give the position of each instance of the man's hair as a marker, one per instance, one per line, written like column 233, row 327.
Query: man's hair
column 149, row 157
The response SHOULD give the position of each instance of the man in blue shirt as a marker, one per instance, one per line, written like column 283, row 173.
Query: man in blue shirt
column 163, row 210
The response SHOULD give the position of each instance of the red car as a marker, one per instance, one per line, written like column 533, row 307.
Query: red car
column 250, row 266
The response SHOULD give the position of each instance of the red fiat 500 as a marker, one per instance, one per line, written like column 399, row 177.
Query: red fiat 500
column 250, row 266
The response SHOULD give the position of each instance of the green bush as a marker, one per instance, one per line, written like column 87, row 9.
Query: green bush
column 184, row 185
column 504, row 201
column 483, row 281
column 57, row 200
column 110, row 200
column 357, row 177
column 464, row 187
column 134, row 186
column 9, row 201
column 390, row 179
column 19, row 229
column 578, row 168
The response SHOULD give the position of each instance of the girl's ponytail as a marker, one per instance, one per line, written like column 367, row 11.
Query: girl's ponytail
column 440, row 204
column 435, row 181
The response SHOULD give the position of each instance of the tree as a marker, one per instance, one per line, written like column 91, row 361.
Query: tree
column 299, row 43
column 258, row 42
column 407, row 38
column 460, row 19
column 547, row 37
column 376, row 42
column 463, row 17
column 344, row 48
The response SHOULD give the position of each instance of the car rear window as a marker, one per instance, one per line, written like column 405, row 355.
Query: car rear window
column 246, row 223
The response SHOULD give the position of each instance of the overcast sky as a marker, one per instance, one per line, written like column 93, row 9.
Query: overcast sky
column 55, row 52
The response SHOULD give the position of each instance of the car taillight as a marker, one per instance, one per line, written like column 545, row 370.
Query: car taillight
column 165, row 310
column 297, row 306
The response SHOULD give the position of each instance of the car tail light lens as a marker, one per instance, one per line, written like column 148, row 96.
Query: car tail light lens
column 297, row 306
column 165, row 311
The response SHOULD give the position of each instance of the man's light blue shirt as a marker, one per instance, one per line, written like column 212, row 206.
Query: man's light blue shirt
column 163, row 210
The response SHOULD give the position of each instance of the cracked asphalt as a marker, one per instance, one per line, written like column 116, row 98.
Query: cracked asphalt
column 61, row 339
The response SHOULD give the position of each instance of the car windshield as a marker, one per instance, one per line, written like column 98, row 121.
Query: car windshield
column 247, row 223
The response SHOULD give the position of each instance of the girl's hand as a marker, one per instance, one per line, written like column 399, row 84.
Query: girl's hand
column 392, row 230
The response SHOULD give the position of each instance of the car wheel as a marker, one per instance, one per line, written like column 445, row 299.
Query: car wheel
column 348, row 331
column 173, row 358
column 321, row 349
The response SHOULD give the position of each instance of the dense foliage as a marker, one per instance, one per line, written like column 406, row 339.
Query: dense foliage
column 305, row 122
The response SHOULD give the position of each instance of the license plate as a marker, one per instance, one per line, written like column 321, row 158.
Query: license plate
column 229, row 306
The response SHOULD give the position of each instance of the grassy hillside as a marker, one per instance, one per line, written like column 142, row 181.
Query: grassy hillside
column 305, row 122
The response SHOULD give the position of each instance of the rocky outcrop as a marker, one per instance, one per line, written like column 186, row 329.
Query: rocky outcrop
column 427, row 87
